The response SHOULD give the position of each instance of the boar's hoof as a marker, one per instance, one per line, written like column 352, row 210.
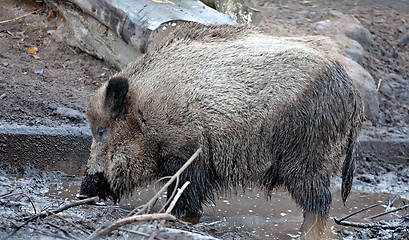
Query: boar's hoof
column 192, row 217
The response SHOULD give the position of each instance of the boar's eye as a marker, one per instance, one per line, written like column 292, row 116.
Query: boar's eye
column 101, row 134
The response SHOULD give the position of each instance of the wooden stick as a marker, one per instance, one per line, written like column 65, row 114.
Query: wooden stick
column 134, row 232
column 72, row 224
column 337, row 221
column 63, row 230
column 367, row 225
column 177, row 196
column 47, row 213
column 387, row 212
column 11, row 194
column 171, row 206
column 173, row 178
column 10, row 20
column 10, row 221
column 65, row 207
column 128, row 220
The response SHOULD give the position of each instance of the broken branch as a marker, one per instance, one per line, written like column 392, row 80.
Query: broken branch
column 367, row 225
column 11, row 194
column 171, row 180
column 171, row 206
column 65, row 207
column 337, row 221
column 128, row 220
column 387, row 212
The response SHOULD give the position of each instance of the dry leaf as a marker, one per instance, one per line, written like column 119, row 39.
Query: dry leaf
column 32, row 50
column 34, row 56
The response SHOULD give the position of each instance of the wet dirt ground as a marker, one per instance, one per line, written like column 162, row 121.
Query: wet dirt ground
column 51, row 87
column 245, row 215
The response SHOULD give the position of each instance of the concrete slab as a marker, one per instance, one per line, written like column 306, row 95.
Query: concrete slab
column 118, row 30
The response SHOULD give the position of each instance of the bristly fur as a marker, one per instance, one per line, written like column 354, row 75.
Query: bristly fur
column 267, row 111
column 116, row 91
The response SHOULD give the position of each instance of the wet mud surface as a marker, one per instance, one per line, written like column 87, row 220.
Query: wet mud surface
column 243, row 215
column 51, row 89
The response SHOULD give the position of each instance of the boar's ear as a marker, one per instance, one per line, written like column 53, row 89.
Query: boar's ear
column 115, row 95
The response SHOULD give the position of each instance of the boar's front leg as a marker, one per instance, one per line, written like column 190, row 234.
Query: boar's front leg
column 199, row 191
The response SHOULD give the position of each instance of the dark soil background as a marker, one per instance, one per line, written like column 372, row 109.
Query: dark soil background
column 51, row 86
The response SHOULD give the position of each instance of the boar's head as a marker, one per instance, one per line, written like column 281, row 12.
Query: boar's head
column 119, row 158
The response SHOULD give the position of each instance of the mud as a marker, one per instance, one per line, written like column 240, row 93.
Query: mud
column 246, row 214
column 43, row 100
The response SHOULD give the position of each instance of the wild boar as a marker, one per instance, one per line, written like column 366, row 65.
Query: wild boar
column 267, row 111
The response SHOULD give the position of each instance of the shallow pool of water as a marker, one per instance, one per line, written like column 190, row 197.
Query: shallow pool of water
column 252, row 212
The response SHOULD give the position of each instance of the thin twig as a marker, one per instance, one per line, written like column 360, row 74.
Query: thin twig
column 367, row 225
column 63, row 230
column 171, row 196
column 175, row 176
column 387, row 212
column 47, row 213
column 10, row 221
column 134, row 232
column 171, row 206
column 47, row 234
column 177, row 196
column 20, row 193
column 21, row 16
column 65, row 207
column 337, row 221
column 128, row 220
column 71, row 223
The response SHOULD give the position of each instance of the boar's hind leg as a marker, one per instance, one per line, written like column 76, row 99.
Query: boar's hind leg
column 312, row 194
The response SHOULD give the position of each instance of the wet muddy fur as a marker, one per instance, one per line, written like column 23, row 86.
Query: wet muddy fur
column 298, row 140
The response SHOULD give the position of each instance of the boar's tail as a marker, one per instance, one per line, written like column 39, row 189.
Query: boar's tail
column 348, row 167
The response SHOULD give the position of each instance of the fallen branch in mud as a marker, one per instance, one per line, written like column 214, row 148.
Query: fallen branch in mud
column 368, row 225
column 390, row 211
column 10, row 221
column 337, row 221
column 65, row 207
column 20, row 193
column 63, row 230
column 341, row 221
column 171, row 206
column 58, row 210
column 72, row 224
column 124, row 221
column 151, row 202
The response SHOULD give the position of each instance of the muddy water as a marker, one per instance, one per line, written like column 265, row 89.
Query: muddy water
column 251, row 212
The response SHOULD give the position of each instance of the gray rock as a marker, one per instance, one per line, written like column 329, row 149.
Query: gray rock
column 119, row 31
column 403, row 97
column 322, row 25
column 71, row 114
column 366, row 86
column 404, row 40
column 355, row 55
column 386, row 88
column 311, row 15
column 336, row 14
column 357, row 46
column 359, row 34
column 5, row 64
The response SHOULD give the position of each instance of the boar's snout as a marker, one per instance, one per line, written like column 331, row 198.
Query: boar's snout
column 97, row 185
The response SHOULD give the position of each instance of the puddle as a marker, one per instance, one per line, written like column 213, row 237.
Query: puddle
column 252, row 212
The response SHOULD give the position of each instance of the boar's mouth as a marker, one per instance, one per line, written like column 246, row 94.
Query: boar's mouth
column 97, row 185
